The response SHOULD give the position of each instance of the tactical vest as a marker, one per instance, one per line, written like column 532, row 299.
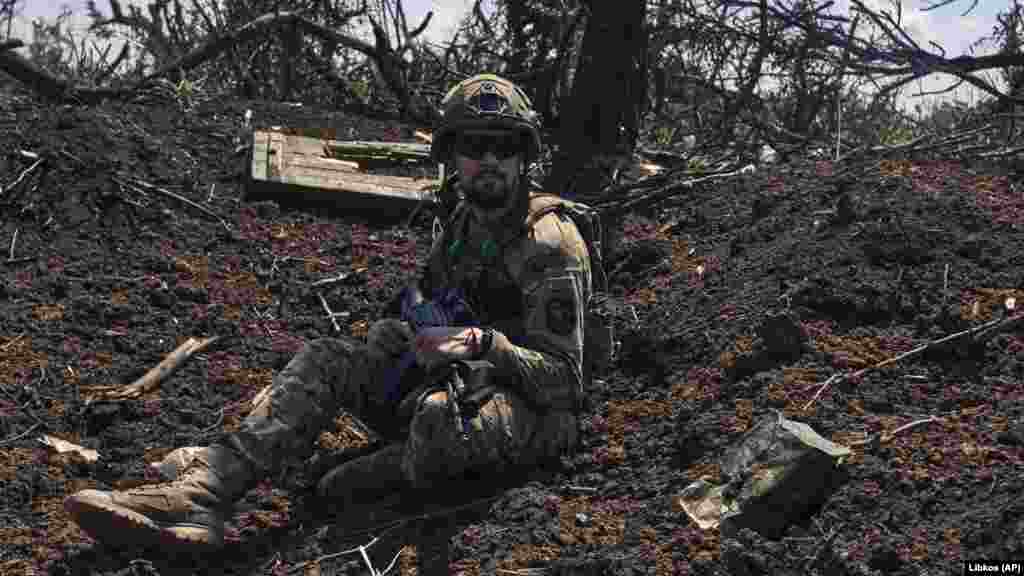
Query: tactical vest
column 598, row 343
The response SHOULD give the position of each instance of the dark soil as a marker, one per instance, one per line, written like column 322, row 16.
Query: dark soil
column 748, row 293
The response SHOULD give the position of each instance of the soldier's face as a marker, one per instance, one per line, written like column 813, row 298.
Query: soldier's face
column 489, row 163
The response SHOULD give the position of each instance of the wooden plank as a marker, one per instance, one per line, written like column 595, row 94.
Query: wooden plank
column 275, row 154
column 323, row 164
column 260, row 148
column 296, row 170
column 397, row 151
column 341, row 181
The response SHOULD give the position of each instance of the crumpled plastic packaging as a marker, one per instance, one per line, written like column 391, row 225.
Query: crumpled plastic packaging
column 773, row 475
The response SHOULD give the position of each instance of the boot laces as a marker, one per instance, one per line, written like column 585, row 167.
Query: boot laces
column 184, row 477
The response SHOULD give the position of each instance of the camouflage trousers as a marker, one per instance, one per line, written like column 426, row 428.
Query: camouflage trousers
column 330, row 374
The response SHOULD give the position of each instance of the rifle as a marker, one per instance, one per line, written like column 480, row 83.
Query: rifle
column 464, row 403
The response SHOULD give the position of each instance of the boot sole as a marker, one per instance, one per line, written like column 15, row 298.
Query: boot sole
column 117, row 526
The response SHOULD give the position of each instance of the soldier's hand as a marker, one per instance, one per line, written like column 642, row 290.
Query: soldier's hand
column 439, row 344
column 389, row 337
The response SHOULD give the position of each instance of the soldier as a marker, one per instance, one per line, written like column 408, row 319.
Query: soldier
column 499, row 286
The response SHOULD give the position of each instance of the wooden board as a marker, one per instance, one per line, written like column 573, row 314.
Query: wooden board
column 297, row 170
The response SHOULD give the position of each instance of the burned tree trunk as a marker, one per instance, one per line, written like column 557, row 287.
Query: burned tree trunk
column 599, row 121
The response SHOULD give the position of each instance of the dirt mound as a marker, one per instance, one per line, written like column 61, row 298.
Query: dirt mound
column 102, row 275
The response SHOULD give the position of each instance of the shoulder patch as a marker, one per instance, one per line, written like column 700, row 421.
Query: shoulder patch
column 561, row 306
column 561, row 316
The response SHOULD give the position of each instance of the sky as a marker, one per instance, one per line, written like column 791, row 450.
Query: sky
column 944, row 26
column 446, row 14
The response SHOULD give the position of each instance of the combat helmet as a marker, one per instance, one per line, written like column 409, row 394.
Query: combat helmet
column 481, row 102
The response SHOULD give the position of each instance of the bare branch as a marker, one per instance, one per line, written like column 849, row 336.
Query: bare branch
column 479, row 13
column 50, row 86
column 938, row 5
column 943, row 91
column 423, row 25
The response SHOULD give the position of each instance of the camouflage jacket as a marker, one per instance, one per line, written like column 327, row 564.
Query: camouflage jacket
column 532, row 289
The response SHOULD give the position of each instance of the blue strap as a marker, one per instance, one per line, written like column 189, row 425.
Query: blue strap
column 447, row 308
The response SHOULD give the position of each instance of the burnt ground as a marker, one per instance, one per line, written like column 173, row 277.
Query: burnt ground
column 101, row 278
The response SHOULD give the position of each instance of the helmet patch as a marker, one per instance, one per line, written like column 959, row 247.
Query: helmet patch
column 489, row 99
column 486, row 100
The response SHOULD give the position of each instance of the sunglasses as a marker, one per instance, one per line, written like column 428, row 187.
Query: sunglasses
column 476, row 146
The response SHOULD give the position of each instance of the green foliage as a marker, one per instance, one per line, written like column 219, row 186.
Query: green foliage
column 895, row 135
column 361, row 88
column 663, row 135
column 696, row 166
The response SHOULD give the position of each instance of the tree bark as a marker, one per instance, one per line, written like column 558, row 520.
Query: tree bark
column 601, row 118
column 516, row 20
column 290, row 40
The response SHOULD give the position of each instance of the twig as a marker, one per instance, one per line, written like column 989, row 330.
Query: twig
column 11, row 342
column 209, row 198
column 945, row 285
column 393, row 525
column 821, row 389
column 185, row 200
column 14, row 239
column 18, row 260
column 132, row 187
column 158, row 373
column 263, row 321
column 628, row 204
column 325, row 281
column 889, row 435
column 986, row 329
column 330, row 314
column 587, row 489
column 22, row 176
column 22, row 435
column 360, row 549
column 215, row 424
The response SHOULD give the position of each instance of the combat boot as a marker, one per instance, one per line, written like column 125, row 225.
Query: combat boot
column 189, row 511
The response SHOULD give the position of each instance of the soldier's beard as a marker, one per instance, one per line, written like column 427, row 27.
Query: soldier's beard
column 493, row 196
column 491, row 192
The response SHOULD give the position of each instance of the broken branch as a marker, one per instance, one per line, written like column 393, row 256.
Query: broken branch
column 22, row 435
column 886, row 436
column 11, row 342
column 333, row 280
column 22, row 176
column 986, row 330
column 14, row 239
column 151, row 380
column 330, row 314
column 183, row 199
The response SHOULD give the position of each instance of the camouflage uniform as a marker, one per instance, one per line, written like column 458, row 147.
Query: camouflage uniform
column 532, row 292
column 533, row 295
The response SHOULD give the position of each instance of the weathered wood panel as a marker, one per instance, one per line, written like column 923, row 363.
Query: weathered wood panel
column 300, row 171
